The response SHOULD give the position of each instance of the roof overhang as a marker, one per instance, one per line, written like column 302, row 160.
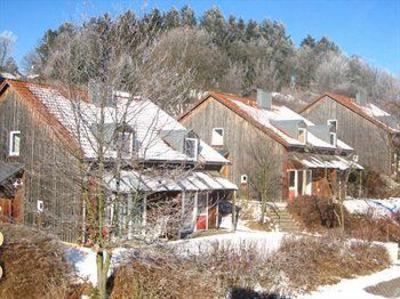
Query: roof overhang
column 194, row 181
column 300, row 161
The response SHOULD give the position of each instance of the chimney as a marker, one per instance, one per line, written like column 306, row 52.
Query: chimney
column 264, row 99
column 361, row 98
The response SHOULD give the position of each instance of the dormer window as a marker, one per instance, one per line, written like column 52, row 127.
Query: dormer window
column 217, row 137
column 14, row 143
column 332, row 124
column 333, row 139
column 302, row 135
column 190, row 148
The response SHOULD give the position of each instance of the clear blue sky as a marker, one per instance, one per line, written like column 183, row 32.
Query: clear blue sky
column 369, row 28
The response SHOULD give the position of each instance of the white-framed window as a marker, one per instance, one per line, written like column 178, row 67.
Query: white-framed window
column 244, row 179
column 40, row 206
column 217, row 137
column 15, row 143
column 191, row 147
column 332, row 139
column 332, row 123
column 302, row 135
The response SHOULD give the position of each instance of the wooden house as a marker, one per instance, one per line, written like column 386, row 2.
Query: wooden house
column 303, row 156
column 39, row 130
column 372, row 132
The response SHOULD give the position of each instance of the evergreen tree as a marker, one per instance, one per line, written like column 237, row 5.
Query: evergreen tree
column 187, row 17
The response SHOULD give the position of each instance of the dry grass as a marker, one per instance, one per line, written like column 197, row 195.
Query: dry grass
column 34, row 265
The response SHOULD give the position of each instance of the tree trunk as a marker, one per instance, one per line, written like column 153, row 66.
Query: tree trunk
column 234, row 220
column 103, row 259
column 263, row 208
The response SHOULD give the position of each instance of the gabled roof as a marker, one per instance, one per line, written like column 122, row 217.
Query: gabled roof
column 369, row 111
column 274, row 122
column 146, row 118
column 23, row 90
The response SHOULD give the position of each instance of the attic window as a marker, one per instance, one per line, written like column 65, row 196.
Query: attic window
column 332, row 124
column 333, row 139
column 217, row 137
column 191, row 147
column 15, row 143
column 302, row 135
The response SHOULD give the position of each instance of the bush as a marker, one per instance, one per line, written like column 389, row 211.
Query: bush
column 366, row 227
column 314, row 213
column 310, row 262
column 301, row 264
column 34, row 265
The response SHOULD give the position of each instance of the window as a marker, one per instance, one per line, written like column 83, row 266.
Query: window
column 15, row 143
column 332, row 124
column 332, row 139
column 40, row 206
column 191, row 148
column 243, row 179
column 292, row 179
column 302, row 135
column 217, row 137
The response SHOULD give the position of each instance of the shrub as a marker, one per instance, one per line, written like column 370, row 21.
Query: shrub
column 34, row 265
column 301, row 264
column 366, row 227
column 310, row 262
column 314, row 213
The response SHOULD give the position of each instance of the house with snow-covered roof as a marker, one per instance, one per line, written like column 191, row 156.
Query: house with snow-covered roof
column 305, row 156
column 372, row 132
column 55, row 137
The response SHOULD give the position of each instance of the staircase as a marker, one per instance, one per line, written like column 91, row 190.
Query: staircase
column 284, row 221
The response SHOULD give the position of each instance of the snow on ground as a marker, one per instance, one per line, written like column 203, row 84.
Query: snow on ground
column 265, row 242
column 84, row 259
column 378, row 207
column 354, row 288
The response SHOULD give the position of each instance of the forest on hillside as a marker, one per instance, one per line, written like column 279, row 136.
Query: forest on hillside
column 215, row 52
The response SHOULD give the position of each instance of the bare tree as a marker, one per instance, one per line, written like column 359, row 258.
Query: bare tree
column 110, row 122
column 265, row 177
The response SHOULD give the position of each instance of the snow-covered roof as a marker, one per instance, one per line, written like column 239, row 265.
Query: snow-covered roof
column 369, row 111
column 314, row 161
column 271, row 118
column 190, row 182
column 80, row 118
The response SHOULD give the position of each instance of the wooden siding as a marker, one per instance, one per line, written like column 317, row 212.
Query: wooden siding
column 239, row 134
column 50, row 169
column 370, row 142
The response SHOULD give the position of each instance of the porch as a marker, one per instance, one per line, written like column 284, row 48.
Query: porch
column 167, row 205
column 11, row 192
column 316, row 174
